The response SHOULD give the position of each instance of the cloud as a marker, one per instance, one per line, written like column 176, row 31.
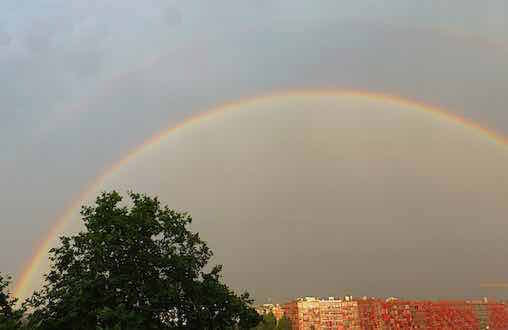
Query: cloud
column 38, row 36
column 172, row 16
column 5, row 38
column 86, row 63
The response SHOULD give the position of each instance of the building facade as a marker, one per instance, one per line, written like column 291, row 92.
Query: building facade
column 377, row 314
column 311, row 313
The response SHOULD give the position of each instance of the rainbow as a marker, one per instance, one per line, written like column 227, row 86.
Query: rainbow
column 32, row 266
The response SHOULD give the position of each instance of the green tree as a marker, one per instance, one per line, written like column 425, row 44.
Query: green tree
column 284, row 324
column 269, row 322
column 136, row 266
column 10, row 316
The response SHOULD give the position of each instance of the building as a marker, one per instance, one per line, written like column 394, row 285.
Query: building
column 411, row 314
column 371, row 313
column 312, row 313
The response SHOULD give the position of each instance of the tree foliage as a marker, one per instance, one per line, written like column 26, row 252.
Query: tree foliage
column 284, row 324
column 269, row 322
column 10, row 316
column 136, row 266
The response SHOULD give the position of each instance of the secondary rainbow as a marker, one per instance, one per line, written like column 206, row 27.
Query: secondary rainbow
column 31, row 268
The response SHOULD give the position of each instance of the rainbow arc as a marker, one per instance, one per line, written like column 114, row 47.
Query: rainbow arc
column 32, row 268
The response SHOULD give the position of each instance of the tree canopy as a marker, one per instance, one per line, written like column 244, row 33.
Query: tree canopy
column 284, row 324
column 10, row 316
column 269, row 322
column 137, row 265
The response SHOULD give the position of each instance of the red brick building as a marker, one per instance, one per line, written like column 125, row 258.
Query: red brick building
column 312, row 313
column 373, row 314
column 466, row 315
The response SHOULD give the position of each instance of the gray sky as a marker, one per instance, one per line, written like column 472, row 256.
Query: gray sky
column 84, row 82
column 330, row 195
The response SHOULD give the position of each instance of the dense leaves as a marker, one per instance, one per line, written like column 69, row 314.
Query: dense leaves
column 10, row 316
column 136, row 266
column 269, row 322
column 284, row 324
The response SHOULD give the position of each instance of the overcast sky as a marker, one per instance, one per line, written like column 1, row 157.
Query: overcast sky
column 83, row 82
